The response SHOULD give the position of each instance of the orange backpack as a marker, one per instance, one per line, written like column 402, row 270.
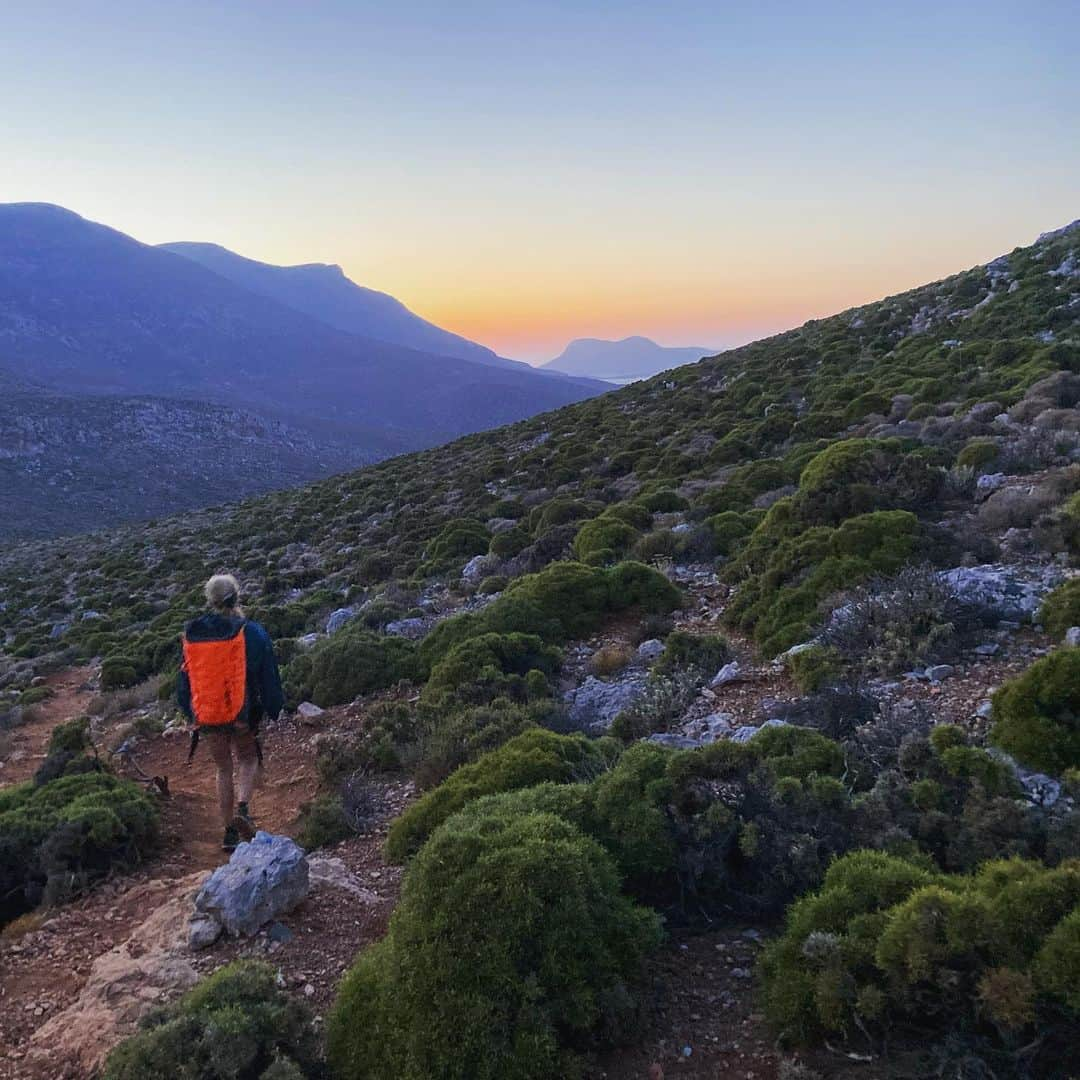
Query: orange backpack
column 217, row 673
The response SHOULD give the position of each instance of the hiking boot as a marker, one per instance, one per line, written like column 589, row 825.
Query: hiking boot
column 232, row 838
column 242, row 823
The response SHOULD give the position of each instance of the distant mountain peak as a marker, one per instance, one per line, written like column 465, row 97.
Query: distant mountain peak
column 632, row 357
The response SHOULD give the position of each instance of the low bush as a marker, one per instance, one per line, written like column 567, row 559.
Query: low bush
column 979, row 455
column 703, row 654
column 531, row 758
column 535, row 954
column 482, row 668
column 814, row 668
column 352, row 662
column 323, row 822
column 1037, row 715
column 1061, row 609
column 894, row 624
column 236, row 1024
column 118, row 672
column 64, row 831
column 889, row 943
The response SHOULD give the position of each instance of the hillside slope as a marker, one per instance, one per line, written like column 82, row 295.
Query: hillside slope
column 782, row 644
column 69, row 464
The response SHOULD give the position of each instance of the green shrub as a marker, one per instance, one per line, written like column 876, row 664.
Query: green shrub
column 888, row 943
column 534, row 951
column 236, row 1024
column 58, row 835
column 1037, row 715
column 813, row 668
column 323, row 822
column 35, row 695
column 531, row 758
column 1061, row 609
column 728, row 529
column 352, row 662
column 978, row 454
column 458, row 540
column 118, row 672
column 701, row 653
column 483, row 668
column 506, row 545
column 664, row 501
column 604, row 534
column 495, row 583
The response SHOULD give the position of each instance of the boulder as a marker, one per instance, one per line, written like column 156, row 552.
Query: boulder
column 309, row 711
column 937, row 672
column 990, row 482
column 727, row 674
column 478, row 568
column 339, row 618
column 1009, row 591
column 407, row 628
column 264, row 878
column 1072, row 636
column 747, row 731
column 650, row 650
column 594, row 704
column 674, row 742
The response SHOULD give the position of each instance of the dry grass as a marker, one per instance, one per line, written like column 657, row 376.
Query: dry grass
column 610, row 660
column 116, row 702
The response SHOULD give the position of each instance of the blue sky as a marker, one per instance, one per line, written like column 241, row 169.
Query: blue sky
column 527, row 173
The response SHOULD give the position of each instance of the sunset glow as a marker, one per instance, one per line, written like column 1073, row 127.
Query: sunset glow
column 528, row 173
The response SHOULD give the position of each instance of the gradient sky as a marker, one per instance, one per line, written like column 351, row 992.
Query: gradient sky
column 525, row 173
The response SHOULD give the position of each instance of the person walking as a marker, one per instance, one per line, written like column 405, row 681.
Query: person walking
column 228, row 683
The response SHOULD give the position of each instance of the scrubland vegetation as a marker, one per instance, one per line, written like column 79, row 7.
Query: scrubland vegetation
column 829, row 475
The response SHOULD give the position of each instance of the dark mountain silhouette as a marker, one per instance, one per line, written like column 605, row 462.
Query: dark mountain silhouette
column 323, row 291
column 86, row 309
column 630, row 358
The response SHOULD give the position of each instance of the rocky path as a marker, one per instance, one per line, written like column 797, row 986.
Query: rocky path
column 75, row 980
column 72, row 692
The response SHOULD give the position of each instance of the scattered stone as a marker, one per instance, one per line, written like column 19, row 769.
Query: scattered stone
column 407, row 628
column 985, row 709
column 203, row 931
column 937, row 672
column 991, row 648
column 595, row 704
column 674, row 742
column 478, row 568
column 278, row 932
column 339, row 618
column 306, row 642
column 990, row 482
column 650, row 650
column 747, row 731
column 264, row 878
column 727, row 674
column 1072, row 636
column 328, row 871
column 309, row 711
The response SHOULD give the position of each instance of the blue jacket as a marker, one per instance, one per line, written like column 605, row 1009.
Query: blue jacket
column 264, row 696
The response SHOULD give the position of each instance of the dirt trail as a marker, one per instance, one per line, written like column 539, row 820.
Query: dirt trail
column 72, row 693
column 43, row 970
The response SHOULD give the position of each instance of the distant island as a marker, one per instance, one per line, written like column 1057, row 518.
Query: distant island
column 622, row 361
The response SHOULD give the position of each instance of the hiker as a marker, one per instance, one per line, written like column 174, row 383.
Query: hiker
column 228, row 682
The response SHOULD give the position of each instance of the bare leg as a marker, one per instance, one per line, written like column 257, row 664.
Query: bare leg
column 247, row 764
column 221, row 751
